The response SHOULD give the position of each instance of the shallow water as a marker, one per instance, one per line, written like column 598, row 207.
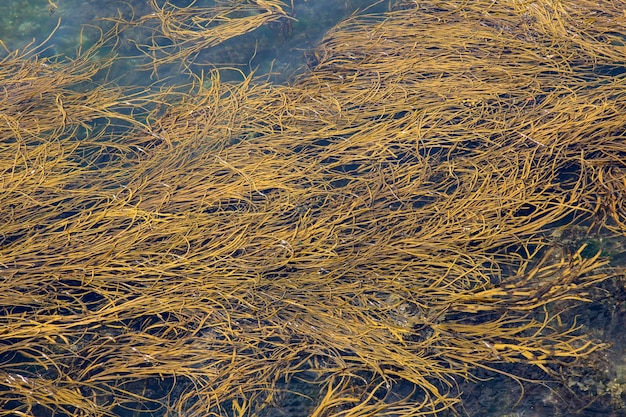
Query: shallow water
column 276, row 49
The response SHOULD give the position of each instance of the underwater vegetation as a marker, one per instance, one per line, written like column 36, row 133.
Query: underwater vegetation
column 353, row 243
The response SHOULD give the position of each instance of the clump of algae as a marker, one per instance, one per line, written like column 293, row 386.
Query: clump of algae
column 365, row 236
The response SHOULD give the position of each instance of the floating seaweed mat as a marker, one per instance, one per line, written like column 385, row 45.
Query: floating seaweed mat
column 352, row 244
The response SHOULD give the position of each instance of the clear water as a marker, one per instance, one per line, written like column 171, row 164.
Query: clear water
column 278, row 49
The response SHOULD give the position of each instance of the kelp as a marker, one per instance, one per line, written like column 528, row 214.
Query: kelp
column 357, row 241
